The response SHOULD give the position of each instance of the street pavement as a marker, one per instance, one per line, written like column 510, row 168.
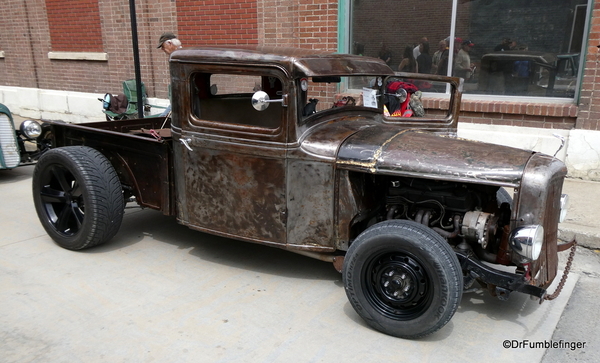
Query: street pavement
column 583, row 217
column 160, row 292
column 579, row 321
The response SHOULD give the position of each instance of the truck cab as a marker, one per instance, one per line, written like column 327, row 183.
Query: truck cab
column 279, row 162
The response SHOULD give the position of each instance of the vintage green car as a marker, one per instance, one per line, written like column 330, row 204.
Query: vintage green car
column 14, row 150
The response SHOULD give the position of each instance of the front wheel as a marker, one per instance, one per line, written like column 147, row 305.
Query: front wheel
column 78, row 196
column 403, row 279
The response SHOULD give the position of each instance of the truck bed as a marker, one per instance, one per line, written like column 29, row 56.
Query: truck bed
column 140, row 150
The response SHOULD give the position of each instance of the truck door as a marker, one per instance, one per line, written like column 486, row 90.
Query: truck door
column 230, row 158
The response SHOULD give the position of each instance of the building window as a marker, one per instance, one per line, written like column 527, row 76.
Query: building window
column 500, row 47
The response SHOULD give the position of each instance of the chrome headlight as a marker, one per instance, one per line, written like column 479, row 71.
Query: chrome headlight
column 527, row 241
column 31, row 129
column 564, row 205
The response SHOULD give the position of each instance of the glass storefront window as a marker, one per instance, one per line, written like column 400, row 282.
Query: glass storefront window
column 500, row 47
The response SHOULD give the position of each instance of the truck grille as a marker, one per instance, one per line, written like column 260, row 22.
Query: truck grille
column 550, row 223
column 539, row 203
column 9, row 150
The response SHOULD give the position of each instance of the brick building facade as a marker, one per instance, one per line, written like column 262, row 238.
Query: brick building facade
column 57, row 54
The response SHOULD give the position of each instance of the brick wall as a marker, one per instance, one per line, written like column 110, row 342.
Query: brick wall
column 589, row 102
column 538, row 115
column 74, row 25
column 278, row 23
column 317, row 24
column 217, row 22
column 298, row 23
column 24, row 40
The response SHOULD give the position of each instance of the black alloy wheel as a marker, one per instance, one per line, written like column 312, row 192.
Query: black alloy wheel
column 77, row 196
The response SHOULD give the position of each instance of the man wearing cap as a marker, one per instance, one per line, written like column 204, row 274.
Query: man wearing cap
column 168, row 43
column 462, row 64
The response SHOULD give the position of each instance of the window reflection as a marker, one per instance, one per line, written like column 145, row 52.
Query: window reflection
column 500, row 47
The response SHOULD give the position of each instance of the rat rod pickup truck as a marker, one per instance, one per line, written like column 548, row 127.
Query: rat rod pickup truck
column 305, row 151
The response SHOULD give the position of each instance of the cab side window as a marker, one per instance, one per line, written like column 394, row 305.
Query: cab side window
column 227, row 98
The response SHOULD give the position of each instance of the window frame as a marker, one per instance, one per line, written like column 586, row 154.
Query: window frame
column 250, row 132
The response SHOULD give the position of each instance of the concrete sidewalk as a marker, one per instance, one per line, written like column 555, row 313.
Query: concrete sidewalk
column 582, row 216
column 579, row 320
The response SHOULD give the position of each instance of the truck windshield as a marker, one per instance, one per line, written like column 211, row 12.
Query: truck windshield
column 320, row 94
column 396, row 97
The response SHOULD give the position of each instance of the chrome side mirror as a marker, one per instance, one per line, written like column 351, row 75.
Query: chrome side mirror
column 260, row 100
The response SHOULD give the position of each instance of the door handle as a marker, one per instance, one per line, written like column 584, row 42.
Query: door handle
column 185, row 143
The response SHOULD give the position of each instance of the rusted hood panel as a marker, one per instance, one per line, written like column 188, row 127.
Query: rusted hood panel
column 387, row 150
column 324, row 139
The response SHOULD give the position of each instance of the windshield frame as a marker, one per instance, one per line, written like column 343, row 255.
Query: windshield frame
column 448, row 103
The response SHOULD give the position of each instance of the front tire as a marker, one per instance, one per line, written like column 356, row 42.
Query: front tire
column 403, row 279
column 78, row 197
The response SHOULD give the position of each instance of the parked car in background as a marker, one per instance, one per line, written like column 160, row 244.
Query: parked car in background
column 527, row 73
column 19, row 146
column 567, row 66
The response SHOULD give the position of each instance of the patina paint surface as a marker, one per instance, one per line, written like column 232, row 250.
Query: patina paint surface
column 408, row 152
column 237, row 191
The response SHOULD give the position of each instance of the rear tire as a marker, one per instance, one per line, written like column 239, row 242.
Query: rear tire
column 403, row 279
column 78, row 197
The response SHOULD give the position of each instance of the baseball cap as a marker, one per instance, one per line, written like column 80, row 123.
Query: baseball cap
column 164, row 37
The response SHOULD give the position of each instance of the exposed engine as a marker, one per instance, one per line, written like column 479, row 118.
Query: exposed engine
column 468, row 216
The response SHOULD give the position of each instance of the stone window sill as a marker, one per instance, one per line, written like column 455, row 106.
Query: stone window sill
column 87, row 56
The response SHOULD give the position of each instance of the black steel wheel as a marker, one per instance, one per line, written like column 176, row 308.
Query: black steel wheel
column 78, row 196
column 403, row 279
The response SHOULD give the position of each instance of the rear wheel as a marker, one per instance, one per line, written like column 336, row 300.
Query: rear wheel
column 403, row 279
column 77, row 196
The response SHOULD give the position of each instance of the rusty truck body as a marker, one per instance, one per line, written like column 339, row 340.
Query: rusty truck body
column 303, row 150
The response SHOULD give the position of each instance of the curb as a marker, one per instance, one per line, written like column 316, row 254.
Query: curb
column 588, row 237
